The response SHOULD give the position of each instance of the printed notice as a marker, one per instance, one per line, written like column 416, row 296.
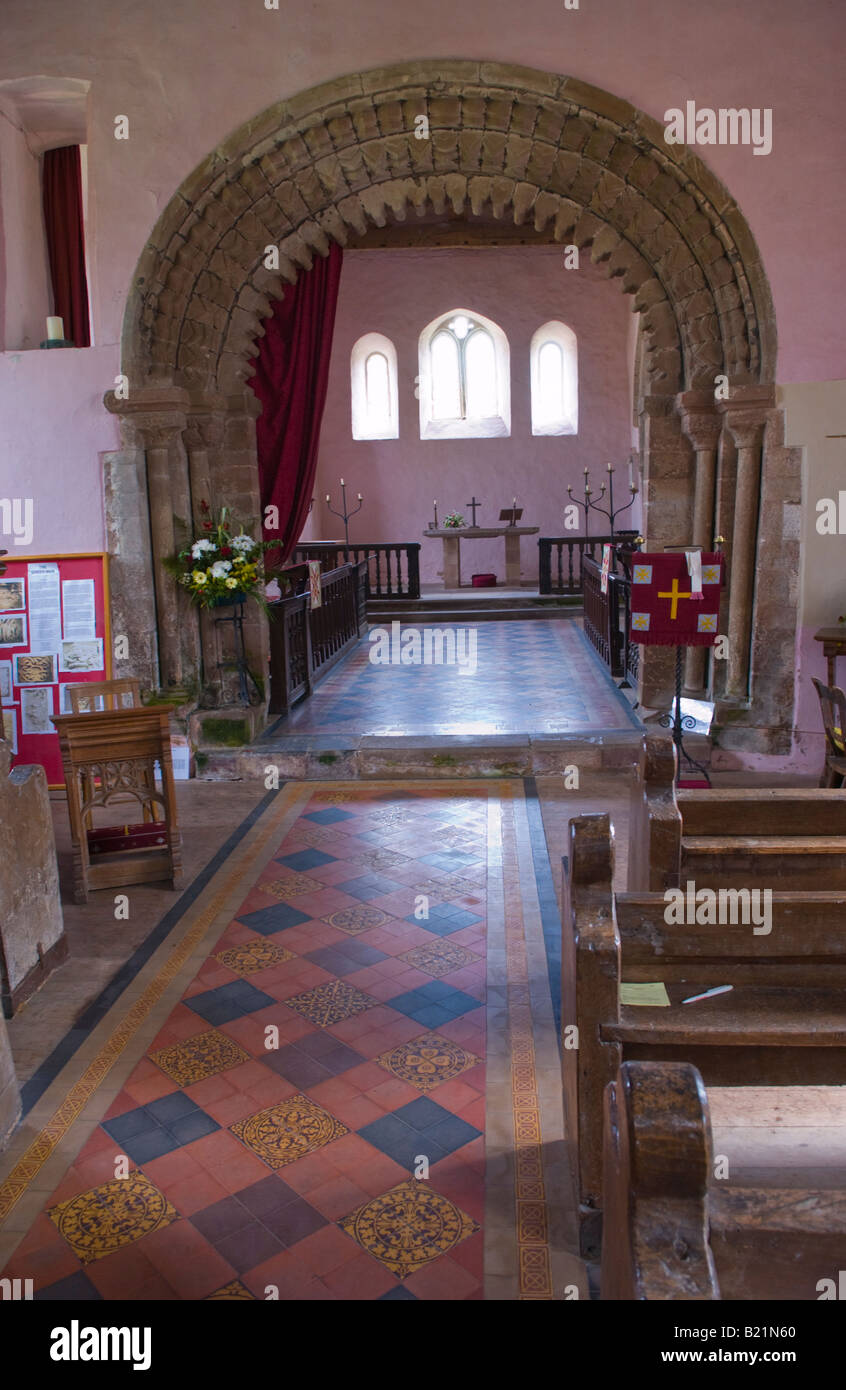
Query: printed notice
column 45, row 623
column 78, row 612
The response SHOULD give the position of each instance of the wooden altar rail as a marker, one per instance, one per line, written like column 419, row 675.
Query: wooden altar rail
column 393, row 568
column 605, row 616
column 306, row 642
column 563, row 574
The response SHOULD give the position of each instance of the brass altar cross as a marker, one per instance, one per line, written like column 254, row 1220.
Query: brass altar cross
column 673, row 595
column 473, row 505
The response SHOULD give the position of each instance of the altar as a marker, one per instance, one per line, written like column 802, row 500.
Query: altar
column 452, row 536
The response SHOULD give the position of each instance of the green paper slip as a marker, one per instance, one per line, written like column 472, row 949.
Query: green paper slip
column 653, row 995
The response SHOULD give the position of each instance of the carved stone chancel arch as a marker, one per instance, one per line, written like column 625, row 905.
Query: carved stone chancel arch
column 510, row 143
column 573, row 165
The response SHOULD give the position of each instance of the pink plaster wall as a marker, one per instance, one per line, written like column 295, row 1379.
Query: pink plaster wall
column 397, row 293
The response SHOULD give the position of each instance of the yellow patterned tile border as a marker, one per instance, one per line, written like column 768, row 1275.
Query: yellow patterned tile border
column 31, row 1162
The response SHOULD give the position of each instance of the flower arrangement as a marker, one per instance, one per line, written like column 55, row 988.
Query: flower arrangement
column 454, row 519
column 223, row 564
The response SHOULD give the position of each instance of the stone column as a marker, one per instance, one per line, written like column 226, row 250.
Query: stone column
column 204, row 434
column 160, row 435
column 702, row 426
column 745, row 416
column 158, row 415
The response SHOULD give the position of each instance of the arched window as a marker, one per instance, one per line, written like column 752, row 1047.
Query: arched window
column 373, row 387
column 555, row 380
column 464, row 385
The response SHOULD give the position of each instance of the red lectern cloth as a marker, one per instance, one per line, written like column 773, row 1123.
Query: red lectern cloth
column 663, row 612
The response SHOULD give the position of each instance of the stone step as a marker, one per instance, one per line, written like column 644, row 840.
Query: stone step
column 466, row 613
column 328, row 757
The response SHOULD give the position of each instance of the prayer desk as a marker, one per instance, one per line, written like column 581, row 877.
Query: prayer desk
column 452, row 537
column 834, row 645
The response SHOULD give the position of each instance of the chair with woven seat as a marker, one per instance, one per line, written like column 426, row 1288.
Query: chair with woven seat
column 833, row 708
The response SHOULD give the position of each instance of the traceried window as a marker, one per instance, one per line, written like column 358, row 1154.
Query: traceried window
column 464, row 383
column 555, row 380
column 373, row 382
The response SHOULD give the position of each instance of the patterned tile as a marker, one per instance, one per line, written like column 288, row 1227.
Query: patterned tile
column 253, row 956
column 346, row 958
column 199, row 1057
column 232, row 1292
column 408, row 1227
column 449, row 888
column 382, row 859
column 330, row 1003
column 293, row 886
column 439, row 958
column 357, row 919
column 115, row 1214
column 287, row 1131
column 427, row 1061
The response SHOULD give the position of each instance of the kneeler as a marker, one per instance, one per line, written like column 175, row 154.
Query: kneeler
column 109, row 756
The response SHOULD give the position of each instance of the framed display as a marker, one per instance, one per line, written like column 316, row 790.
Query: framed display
column 54, row 632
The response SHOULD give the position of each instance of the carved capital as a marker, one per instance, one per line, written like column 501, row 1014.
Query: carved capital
column 701, row 422
column 203, row 431
column 158, row 431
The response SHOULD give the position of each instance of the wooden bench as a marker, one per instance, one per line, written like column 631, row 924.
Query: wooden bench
column 726, row 837
column 109, row 756
column 671, row 1232
column 782, row 1023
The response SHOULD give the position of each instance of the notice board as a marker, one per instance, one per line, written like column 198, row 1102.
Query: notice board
column 54, row 632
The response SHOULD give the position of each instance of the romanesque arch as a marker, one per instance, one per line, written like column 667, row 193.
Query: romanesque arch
column 577, row 164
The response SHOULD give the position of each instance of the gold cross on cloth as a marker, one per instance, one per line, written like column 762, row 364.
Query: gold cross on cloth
column 673, row 595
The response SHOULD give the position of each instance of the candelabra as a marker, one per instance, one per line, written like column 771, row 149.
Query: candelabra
column 590, row 505
column 345, row 515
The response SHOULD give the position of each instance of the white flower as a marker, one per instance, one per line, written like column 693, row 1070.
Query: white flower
column 242, row 542
column 220, row 569
column 199, row 546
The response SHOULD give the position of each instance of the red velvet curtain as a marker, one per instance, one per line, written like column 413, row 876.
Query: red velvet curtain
column 292, row 371
column 62, row 198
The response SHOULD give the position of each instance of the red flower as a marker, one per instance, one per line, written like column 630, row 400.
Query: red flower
column 207, row 526
column 204, row 506
column 225, row 550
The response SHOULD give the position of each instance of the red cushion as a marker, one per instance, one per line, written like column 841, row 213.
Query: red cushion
column 108, row 839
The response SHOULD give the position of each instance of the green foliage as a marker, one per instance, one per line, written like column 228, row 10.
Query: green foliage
column 231, row 733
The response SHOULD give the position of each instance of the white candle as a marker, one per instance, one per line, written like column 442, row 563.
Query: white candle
column 327, row 497
column 55, row 329
column 359, row 497
column 342, row 482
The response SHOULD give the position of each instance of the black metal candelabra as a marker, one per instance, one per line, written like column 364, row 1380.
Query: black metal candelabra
column 345, row 514
column 678, row 722
column 589, row 505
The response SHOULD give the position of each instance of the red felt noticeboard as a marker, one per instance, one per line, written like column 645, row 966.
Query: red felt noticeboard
column 16, row 632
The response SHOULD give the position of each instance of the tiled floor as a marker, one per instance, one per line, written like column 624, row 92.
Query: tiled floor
column 542, row 677
column 307, row 1118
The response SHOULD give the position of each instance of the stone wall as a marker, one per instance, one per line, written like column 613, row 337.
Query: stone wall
column 32, row 934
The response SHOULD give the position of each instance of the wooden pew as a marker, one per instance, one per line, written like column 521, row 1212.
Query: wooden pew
column 672, row 1232
column 782, row 1023
column 731, row 837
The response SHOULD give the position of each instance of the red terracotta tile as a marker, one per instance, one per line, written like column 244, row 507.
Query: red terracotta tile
column 149, row 1089
column 172, row 1168
column 356, row 1112
column 186, row 1260
column 236, row 1107
column 366, row 1075
column 101, row 1167
column 393, row 1093
column 455, row 1095
column 123, row 1273
column 443, row 1280
column 44, row 1266
column 194, row 1194
column 361, row 1278
column 337, row 1197
column 212, row 1088
column 285, row 1273
column 326, row 1093
column 326, row 1249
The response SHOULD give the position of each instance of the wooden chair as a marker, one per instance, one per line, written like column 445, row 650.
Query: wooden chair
column 782, row 1023
column 83, row 695
column 833, row 709
column 108, row 756
column 672, row 1233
